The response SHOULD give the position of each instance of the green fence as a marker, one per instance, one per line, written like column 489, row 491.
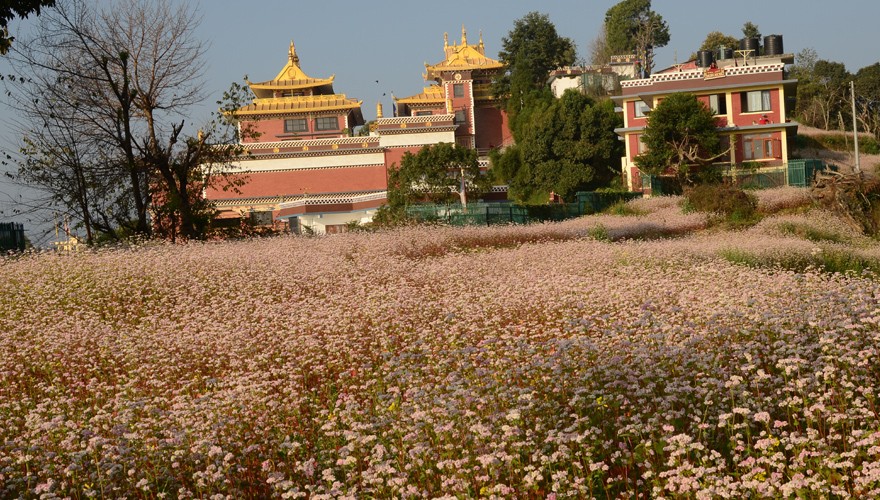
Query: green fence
column 11, row 236
column 486, row 214
column 799, row 173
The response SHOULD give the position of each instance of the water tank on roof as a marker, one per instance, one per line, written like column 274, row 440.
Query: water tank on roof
column 773, row 45
column 725, row 53
column 705, row 58
column 753, row 43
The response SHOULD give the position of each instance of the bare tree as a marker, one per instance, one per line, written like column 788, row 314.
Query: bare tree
column 118, row 79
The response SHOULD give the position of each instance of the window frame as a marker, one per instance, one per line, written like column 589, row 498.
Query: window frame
column 320, row 123
column 641, row 109
column 457, row 90
column 463, row 119
column 289, row 127
column 720, row 108
column 765, row 143
column 763, row 97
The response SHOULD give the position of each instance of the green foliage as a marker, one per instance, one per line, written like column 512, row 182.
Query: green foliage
column 824, row 259
column 11, row 9
column 631, row 27
column 810, row 233
column 750, row 30
column 867, row 88
column 622, row 208
column 735, row 205
column 681, row 137
column 435, row 174
column 528, row 52
column 563, row 145
column 716, row 39
column 823, row 89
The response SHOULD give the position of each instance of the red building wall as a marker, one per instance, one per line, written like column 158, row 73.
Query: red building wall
column 311, row 181
column 272, row 129
column 741, row 119
column 491, row 125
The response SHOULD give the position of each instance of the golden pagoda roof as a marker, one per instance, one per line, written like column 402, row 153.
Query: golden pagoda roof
column 299, row 104
column 462, row 57
column 291, row 76
column 431, row 94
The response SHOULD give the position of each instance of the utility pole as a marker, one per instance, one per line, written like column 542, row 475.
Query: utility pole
column 852, row 88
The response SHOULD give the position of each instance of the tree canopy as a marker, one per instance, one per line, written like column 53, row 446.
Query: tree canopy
column 562, row 145
column 716, row 39
column 681, row 136
column 104, row 96
column 529, row 51
column 9, row 9
column 631, row 27
column 436, row 173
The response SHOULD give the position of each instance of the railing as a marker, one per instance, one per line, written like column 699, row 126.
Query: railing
column 12, row 236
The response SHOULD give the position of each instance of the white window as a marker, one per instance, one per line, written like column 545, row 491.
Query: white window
column 641, row 108
column 718, row 104
column 755, row 101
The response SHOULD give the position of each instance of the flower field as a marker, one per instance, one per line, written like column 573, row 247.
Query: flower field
column 606, row 356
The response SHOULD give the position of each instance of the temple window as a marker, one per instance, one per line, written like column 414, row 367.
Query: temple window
column 458, row 90
column 327, row 123
column 460, row 117
column 292, row 125
column 423, row 113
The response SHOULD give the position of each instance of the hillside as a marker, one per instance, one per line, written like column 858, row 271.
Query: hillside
column 652, row 354
column 840, row 156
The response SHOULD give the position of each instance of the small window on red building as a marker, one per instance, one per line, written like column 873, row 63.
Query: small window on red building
column 759, row 147
column 294, row 125
column 718, row 104
column 460, row 117
column 458, row 90
column 755, row 101
column 327, row 123
column 641, row 109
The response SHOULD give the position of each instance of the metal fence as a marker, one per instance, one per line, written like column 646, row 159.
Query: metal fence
column 487, row 214
column 798, row 173
column 12, row 236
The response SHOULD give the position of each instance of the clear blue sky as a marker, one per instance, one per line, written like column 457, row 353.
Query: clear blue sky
column 390, row 40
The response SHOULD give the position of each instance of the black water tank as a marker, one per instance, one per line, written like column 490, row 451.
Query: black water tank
column 773, row 45
column 705, row 58
column 753, row 43
column 725, row 53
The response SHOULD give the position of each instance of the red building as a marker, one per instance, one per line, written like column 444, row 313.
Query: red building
column 305, row 168
column 747, row 95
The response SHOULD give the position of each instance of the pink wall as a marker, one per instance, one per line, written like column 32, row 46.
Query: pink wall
column 272, row 129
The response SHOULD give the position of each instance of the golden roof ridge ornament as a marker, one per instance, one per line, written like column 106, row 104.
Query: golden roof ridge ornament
column 445, row 40
column 463, row 35
column 482, row 47
column 291, row 54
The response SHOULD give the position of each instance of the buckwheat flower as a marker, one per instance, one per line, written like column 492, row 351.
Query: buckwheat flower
column 762, row 417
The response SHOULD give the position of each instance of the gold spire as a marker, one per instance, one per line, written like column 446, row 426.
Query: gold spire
column 291, row 54
column 463, row 35
column 379, row 109
column 445, row 40
column 482, row 48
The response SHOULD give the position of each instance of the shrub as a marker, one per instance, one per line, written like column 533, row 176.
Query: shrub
column 737, row 206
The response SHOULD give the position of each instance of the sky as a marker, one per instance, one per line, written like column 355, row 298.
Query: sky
column 389, row 41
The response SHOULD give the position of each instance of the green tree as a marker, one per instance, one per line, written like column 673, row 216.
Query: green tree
column 10, row 9
column 823, row 88
column 716, row 39
column 750, row 30
column 563, row 145
column 681, row 136
column 436, row 173
column 867, row 87
column 631, row 27
column 529, row 51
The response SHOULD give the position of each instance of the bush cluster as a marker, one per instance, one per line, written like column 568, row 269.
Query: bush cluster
column 733, row 203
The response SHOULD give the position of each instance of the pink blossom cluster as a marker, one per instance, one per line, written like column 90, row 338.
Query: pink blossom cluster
column 499, row 362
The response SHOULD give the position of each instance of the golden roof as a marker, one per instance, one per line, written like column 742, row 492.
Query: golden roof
column 291, row 77
column 300, row 104
column 462, row 57
column 431, row 94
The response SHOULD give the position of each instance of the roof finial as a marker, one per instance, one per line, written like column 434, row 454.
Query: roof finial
column 445, row 40
column 482, row 48
column 463, row 35
column 379, row 109
column 291, row 53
